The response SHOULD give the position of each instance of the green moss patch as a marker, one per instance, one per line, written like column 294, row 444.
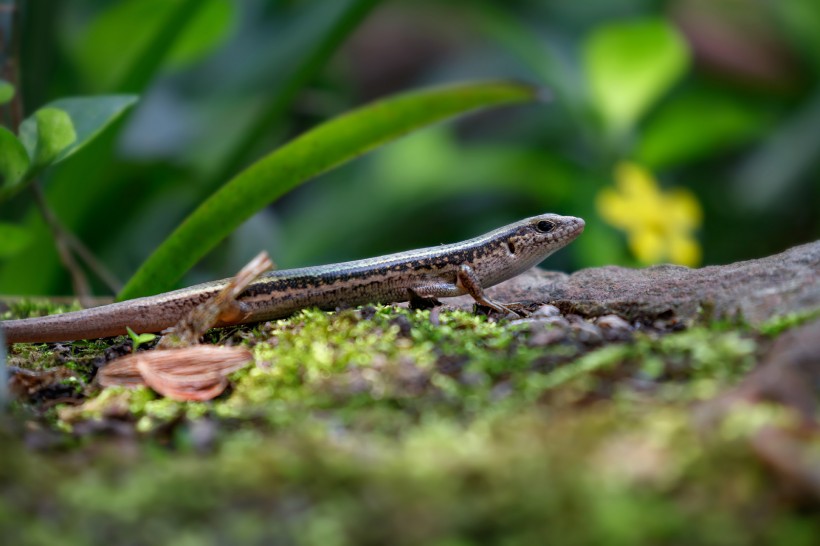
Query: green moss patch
column 385, row 425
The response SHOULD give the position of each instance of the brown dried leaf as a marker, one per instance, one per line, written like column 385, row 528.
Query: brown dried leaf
column 199, row 387
column 191, row 373
column 221, row 309
column 181, row 369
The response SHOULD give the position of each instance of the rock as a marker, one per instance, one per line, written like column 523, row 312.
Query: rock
column 541, row 337
column 546, row 311
column 613, row 322
column 614, row 328
column 587, row 333
column 755, row 290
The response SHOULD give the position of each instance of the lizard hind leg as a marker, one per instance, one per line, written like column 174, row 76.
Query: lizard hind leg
column 468, row 281
column 419, row 301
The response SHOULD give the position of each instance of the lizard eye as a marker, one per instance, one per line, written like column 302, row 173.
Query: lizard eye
column 544, row 226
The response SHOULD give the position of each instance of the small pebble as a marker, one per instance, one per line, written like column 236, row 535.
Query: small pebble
column 546, row 311
column 587, row 333
column 613, row 322
column 559, row 322
column 202, row 433
column 614, row 328
column 574, row 319
column 661, row 325
column 501, row 391
column 536, row 323
column 547, row 336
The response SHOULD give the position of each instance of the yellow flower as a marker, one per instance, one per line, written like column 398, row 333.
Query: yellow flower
column 659, row 224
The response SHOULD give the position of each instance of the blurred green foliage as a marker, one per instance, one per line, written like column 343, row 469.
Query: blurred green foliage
column 330, row 144
column 716, row 96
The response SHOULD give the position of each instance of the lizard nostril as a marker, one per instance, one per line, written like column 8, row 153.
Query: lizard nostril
column 511, row 247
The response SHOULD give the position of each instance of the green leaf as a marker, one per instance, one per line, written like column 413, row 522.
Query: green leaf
column 313, row 35
column 631, row 65
column 799, row 21
column 13, row 239
column 529, row 48
column 46, row 134
column 6, row 91
column 770, row 175
column 205, row 31
column 14, row 163
column 64, row 126
column 699, row 123
column 138, row 339
column 313, row 26
column 128, row 42
column 326, row 146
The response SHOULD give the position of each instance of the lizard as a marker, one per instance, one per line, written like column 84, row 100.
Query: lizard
column 419, row 276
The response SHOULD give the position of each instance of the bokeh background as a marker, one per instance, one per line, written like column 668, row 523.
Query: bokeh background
column 683, row 131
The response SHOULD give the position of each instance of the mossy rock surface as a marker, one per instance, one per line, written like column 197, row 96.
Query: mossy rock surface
column 386, row 425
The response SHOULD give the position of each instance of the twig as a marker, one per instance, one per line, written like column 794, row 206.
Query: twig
column 223, row 307
column 91, row 261
column 79, row 281
column 180, row 369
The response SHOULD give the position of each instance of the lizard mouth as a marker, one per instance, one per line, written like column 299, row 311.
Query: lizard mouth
column 572, row 228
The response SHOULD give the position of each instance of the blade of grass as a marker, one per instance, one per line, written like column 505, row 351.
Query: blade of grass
column 322, row 41
column 326, row 146
column 148, row 62
column 529, row 48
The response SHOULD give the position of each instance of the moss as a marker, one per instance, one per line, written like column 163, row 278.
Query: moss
column 779, row 324
column 531, row 478
column 28, row 307
column 383, row 425
column 396, row 365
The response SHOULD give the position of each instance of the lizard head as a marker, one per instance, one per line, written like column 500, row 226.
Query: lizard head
column 546, row 233
column 527, row 242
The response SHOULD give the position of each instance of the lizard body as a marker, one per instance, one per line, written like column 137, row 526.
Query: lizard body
column 416, row 275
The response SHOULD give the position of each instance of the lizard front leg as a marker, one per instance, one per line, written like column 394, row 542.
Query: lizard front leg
column 468, row 281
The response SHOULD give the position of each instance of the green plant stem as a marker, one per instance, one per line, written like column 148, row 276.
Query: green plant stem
column 146, row 65
column 96, row 266
column 318, row 55
column 67, row 242
column 79, row 282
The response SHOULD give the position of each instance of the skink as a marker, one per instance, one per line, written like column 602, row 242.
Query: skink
column 417, row 275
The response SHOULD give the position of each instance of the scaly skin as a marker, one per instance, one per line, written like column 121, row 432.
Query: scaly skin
column 442, row 271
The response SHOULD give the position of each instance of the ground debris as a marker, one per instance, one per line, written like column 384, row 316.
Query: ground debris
column 177, row 367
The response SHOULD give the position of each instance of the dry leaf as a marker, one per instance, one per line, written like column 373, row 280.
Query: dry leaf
column 189, row 373
column 177, row 367
column 220, row 309
column 200, row 387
